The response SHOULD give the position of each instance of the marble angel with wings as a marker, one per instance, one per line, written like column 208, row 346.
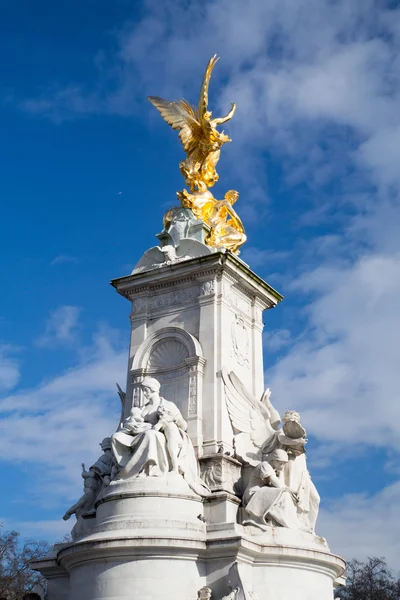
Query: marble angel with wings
column 253, row 421
column 257, row 436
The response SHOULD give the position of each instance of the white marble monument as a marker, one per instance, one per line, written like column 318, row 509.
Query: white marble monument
column 202, row 490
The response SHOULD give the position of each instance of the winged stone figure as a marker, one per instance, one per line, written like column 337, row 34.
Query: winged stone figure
column 198, row 133
column 254, row 421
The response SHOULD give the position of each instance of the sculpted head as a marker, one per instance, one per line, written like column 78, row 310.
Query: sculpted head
column 204, row 594
column 232, row 196
column 105, row 444
column 277, row 459
column 150, row 387
column 291, row 415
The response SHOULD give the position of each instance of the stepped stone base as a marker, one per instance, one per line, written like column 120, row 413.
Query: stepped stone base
column 149, row 541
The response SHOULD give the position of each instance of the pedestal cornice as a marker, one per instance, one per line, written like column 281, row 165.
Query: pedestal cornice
column 198, row 269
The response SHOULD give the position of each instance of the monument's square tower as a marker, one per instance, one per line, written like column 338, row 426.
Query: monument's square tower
column 189, row 320
column 202, row 489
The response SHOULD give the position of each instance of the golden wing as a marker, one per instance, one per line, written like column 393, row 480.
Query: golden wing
column 180, row 115
column 203, row 101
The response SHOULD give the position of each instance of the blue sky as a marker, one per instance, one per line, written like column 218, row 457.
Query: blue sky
column 88, row 168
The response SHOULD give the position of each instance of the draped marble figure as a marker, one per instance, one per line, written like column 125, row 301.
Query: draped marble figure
column 258, row 436
column 267, row 499
column 292, row 439
column 153, row 441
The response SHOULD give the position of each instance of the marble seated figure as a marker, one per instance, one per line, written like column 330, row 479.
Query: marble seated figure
column 153, row 441
column 267, row 499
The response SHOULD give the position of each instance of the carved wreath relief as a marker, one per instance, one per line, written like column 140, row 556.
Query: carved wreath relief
column 240, row 341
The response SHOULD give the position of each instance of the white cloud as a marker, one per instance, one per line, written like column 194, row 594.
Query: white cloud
column 63, row 258
column 52, row 531
column 362, row 525
column 344, row 375
column 9, row 368
column 61, row 327
column 265, row 258
column 277, row 339
column 315, row 83
column 61, row 422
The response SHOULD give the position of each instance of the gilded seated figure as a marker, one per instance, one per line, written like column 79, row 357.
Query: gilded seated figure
column 226, row 227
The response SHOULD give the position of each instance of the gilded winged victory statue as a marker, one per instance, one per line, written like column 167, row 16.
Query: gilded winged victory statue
column 202, row 143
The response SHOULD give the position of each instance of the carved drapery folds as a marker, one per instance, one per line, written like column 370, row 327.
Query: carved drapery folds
column 175, row 358
column 279, row 490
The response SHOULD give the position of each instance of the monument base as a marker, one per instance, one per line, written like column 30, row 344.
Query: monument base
column 153, row 538
column 279, row 564
column 150, row 542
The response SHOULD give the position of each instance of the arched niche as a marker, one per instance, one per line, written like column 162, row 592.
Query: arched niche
column 175, row 358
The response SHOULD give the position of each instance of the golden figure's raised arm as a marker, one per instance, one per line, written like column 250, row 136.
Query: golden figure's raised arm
column 228, row 117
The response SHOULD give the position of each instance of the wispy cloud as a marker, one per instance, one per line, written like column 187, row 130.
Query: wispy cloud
column 63, row 258
column 63, row 419
column 52, row 531
column 61, row 327
column 362, row 525
column 277, row 339
column 315, row 83
column 9, row 367
column 344, row 373
column 267, row 259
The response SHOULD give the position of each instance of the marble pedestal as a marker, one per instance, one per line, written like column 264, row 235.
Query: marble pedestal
column 145, row 543
column 149, row 543
column 153, row 538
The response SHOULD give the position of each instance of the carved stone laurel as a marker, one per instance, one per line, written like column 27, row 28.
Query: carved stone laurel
column 240, row 341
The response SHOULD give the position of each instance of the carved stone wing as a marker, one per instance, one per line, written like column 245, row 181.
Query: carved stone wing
column 150, row 259
column 181, row 116
column 249, row 417
column 191, row 248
